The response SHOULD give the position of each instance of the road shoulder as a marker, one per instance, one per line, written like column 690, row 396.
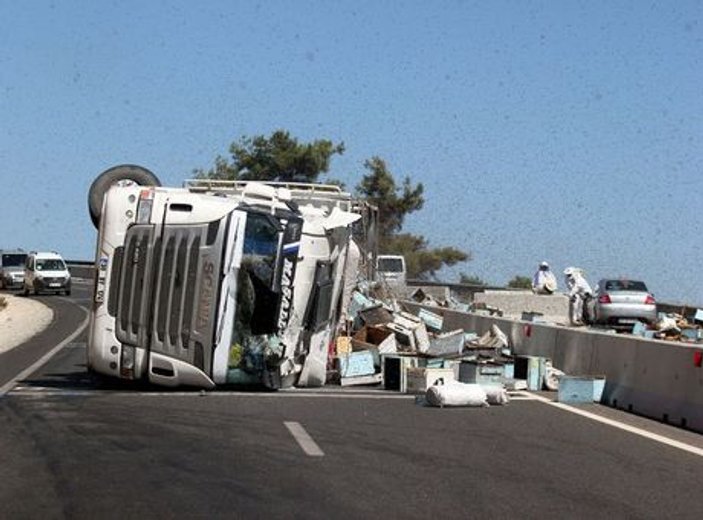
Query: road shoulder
column 22, row 319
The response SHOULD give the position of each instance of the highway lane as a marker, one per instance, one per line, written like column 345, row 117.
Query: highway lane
column 77, row 446
column 69, row 314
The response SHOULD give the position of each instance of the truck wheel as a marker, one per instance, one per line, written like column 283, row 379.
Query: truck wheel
column 102, row 183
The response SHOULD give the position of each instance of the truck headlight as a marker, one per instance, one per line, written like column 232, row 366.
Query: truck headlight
column 127, row 361
column 146, row 203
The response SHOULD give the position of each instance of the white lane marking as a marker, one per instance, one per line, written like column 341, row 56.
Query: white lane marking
column 46, row 357
column 622, row 426
column 308, row 445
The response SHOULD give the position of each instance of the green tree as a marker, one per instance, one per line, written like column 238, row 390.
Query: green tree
column 470, row 279
column 281, row 157
column 394, row 203
column 278, row 157
column 520, row 282
column 378, row 186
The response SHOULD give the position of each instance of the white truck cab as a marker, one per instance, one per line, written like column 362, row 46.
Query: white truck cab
column 218, row 282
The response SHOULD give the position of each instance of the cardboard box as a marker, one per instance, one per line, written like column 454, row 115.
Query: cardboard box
column 343, row 345
column 380, row 338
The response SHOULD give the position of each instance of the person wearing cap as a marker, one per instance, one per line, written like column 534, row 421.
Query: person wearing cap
column 579, row 292
column 544, row 281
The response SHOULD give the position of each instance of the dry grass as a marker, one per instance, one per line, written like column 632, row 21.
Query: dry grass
column 3, row 302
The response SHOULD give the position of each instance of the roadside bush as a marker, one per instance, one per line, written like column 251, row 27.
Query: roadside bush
column 3, row 302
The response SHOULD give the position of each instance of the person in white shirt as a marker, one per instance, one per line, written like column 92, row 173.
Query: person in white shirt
column 579, row 292
column 544, row 281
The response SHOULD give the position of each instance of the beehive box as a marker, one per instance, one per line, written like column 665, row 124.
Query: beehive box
column 580, row 389
column 473, row 372
column 356, row 364
column 420, row 379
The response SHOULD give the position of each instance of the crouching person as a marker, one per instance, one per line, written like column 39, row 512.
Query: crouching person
column 544, row 281
column 580, row 294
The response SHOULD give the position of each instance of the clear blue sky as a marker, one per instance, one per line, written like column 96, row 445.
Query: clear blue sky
column 563, row 131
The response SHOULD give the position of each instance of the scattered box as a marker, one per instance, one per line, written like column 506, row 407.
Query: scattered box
column 343, row 345
column 639, row 329
column 514, row 385
column 359, row 302
column 436, row 363
column 598, row 388
column 580, row 389
column 377, row 315
column 480, row 372
column 432, row 320
column 690, row 335
column 508, row 370
column 420, row 379
column 531, row 369
column 380, row 338
column 461, row 307
column 371, row 379
column 447, row 343
column 355, row 364
column 410, row 331
column 394, row 369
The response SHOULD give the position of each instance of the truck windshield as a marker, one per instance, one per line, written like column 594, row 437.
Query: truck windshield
column 390, row 265
column 13, row 260
column 257, row 302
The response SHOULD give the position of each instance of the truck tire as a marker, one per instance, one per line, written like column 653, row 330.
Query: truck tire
column 102, row 183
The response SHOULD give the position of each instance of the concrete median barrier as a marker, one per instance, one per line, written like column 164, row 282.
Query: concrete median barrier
column 653, row 378
column 81, row 269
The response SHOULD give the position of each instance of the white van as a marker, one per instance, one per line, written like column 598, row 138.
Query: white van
column 46, row 272
column 391, row 270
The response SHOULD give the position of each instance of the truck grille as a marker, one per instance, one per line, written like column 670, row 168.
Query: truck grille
column 178, row 273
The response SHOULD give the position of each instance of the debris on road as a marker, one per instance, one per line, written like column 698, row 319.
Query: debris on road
column 455, row 393
column 382, row 344
column 671, row 327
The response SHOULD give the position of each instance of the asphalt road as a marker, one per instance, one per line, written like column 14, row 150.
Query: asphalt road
column 76, row 446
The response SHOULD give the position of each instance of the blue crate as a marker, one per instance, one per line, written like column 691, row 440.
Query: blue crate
column 580, row 389
column 531, row 369
column 359, row 363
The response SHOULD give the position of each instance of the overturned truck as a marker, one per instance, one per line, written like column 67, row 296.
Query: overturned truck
column 221, row 282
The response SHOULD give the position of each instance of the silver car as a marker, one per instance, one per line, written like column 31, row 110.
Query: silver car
column 624, row 302
column 12, row 268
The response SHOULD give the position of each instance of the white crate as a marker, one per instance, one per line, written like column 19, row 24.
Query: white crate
column 420, row 379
